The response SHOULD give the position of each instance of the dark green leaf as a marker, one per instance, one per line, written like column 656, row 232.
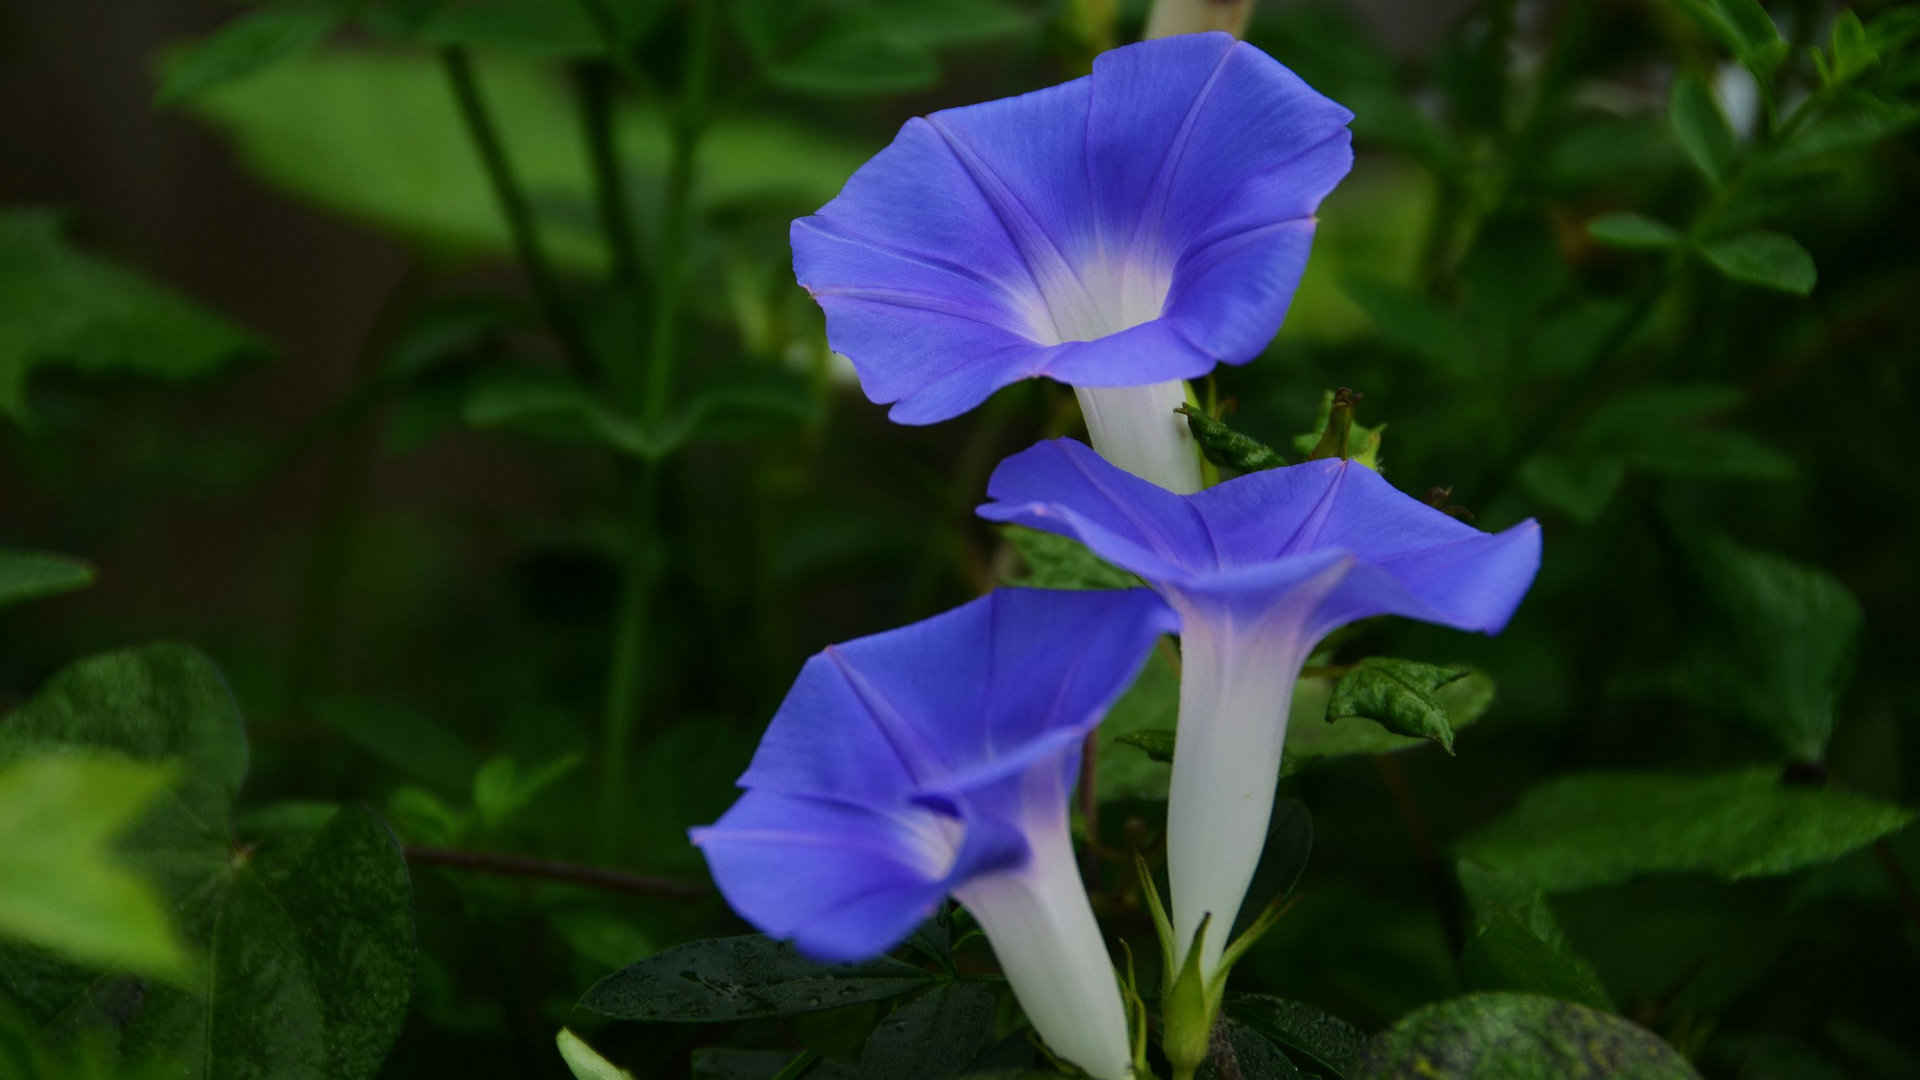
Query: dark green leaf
column 26, row 575
column 738, row 978
column 557, row 409
column 1768, row 259
column 854, row 61
column 1156, row 742
column 403, row 738
column 1852, row 121
column 1317, row 1038
column 936, row 1034
column 1638, row 232
column 161, row 703
column 1148, row 710
column 1746, row 29
column 1061, row 562
column 1788, row 632
column 1701, row 128
column 1515, row 943
column 1413, row 323
column 61, row 887
column 61, row 306
column 1399, row 695
column 1240, row 1052
column 1461, row 701
column 1602, row 828
column 1580, row 486
column 1518, row 1037
column 258, row 39
column 1676, row 431
column 533, row 27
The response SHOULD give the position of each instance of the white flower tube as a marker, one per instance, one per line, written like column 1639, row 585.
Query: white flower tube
column 1042, row 929
column 1136, row 428
column 1236, row 684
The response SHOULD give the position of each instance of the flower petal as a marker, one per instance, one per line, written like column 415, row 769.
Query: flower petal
column 1062, row 486
column 842, row 882
column 959, row 699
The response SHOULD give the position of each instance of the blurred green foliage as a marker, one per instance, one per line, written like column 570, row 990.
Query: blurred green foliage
column 530, row 580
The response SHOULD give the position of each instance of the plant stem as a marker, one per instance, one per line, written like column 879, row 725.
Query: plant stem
column 519, row 214
column 688, row 120
column 487, row 862
column 593, row 82
column 626, row 668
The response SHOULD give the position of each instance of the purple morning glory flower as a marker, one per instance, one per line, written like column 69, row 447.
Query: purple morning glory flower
column 1259, row 568
column 937, row 759
column 1129, row 229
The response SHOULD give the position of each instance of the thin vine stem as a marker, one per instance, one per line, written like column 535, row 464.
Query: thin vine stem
column 596, row 877
column 514, row 207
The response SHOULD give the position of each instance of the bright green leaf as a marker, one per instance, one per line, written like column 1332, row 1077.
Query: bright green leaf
column 1515, row 943
column 500, row 791
column 377, row 135
column 584, row 1061
column 248, row 43
column 1518, row 1037
column 739, row 978
column 1637, row 232
column 59, row 306
column 1701, row 128
column 1768, row 259
column 1602, row 828
column 1156, row 743
column 61, row 886
column 1399, row 695
column 27, row 575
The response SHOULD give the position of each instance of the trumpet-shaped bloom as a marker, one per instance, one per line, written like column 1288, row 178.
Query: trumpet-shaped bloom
column 937, row 759
column 1259, row 568
column 1130, row 228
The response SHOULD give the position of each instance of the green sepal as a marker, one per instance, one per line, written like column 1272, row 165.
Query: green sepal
column 1336, row 435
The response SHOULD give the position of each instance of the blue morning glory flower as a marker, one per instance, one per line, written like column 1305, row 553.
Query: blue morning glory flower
column 937, row 759
column 1259, row 568
column 1120, row 232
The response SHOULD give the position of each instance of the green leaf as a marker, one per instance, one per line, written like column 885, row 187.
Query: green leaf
column 402, row 738
column 741, row 978
column 1636, row 232
column 1744, row 27
column 1787, row 634
column 543, row 28
column 1701, row 128
column 59, row 306
column 1768, row 259
column 1580, row 486
column 1157, row 743
column 258, row 39
column 1399, row 695
column 1241, row 1051
column 1147, row 711
column 500, row 791
column 377, row 136
column 1317, row 1038
column 1362, row 442
column 157, row 704
column 1853, row 52
column 1415, row 324
column 61, row 887
column 309, row 939
column 557, row 409
column 1675, row 431
column 1603, row 828
column 1461, row 701
column 935, row 1034
column 1851, row 121
column 1229, row 448
column 1515, row 943
column 28, row 575
column 848, row 50
column 1061, row 562
column 584, row 1061
column 1518, row 1037
column 855, row 61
